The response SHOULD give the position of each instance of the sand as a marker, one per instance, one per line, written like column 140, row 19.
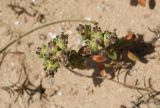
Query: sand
column 68, row 90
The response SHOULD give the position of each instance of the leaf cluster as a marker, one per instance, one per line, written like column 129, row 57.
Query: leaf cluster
column 103, row 47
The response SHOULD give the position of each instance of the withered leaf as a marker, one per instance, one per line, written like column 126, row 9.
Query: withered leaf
column 142, row 2
column 98, row 58
column 132, row 56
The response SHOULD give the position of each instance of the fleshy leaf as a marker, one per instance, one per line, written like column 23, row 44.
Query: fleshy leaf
column 54, row 50
column 98, row 58
column 43, row 51
column 102, row 70
column 60, row 44
column 96, row 35
column 93, row 45
column 112, row 55
column 106, row 40
column 132, row 57
column 50, row 65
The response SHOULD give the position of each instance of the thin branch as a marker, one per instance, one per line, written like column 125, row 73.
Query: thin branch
column 43, row 26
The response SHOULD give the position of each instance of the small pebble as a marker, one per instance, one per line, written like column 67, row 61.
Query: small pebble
column 59, row 93
column 98, row 7
column 33, row 1
column 78, row 41
column 12, row 64
column 120, row 90
column 16, row 22
column 87, row 18
column 69, row 32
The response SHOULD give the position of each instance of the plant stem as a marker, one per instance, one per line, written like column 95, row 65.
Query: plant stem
column 42, row 26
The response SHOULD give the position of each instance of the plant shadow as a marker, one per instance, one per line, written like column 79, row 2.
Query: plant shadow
column 140, row 48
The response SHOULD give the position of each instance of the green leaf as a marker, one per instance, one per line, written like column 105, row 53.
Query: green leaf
column 50, row 65
column 93, row 45
column 55, row 66
column 97, row 35
column 106, row 40
column 60, row 44
column 112, row 55
column 54, row 50
column 43, row 51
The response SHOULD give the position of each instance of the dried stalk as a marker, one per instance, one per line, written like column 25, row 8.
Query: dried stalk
column 43, row 26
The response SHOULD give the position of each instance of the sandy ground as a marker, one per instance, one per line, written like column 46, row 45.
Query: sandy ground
column 68, row 90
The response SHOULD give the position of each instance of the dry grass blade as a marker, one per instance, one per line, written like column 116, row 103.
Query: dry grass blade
column 125, row 76
column 156, row 37
column 43, row 26
column 9, row 90
column 2, row 59
column 151, row 96
column 150, row 83
column 148, row 98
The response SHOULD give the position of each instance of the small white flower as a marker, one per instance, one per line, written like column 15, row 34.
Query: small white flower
column 83, row 43
column 80, row 42
column 52, row 35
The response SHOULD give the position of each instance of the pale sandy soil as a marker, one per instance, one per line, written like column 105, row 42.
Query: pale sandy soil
column 68, row 90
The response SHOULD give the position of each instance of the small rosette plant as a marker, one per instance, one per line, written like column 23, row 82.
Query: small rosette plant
column 103, row 47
